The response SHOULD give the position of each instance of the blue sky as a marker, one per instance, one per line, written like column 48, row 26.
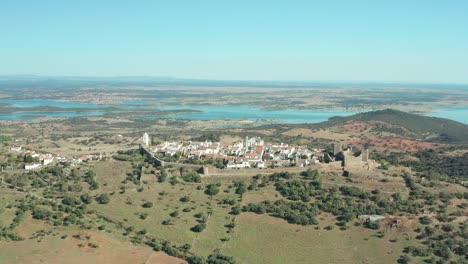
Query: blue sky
column 396, row 41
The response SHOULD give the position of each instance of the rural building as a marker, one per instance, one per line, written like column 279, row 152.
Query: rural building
column 371, row 218
column 32, row 166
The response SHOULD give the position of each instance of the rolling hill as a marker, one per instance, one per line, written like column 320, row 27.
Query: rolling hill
column 442, row 130
column 449, row 131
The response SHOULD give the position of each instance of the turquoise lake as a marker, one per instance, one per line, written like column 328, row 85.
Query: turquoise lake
column 249, row 113
column 237, row 112
column 457, row 114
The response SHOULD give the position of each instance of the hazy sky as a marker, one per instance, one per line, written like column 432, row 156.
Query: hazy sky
column 395, row 40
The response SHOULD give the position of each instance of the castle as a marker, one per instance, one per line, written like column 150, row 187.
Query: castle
column 352, row 162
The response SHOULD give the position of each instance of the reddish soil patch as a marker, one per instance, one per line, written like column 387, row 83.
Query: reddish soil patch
column 357, row 127
column 308, row 133
column 398, row 144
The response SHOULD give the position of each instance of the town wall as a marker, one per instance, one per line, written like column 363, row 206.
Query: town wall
column 351, row 162
column 157, row 162
column 254, row 171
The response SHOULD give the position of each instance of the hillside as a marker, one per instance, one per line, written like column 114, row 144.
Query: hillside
column 120, row 205
column 447, row 130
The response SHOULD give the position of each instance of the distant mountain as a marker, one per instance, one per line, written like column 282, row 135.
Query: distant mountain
column 447, row 130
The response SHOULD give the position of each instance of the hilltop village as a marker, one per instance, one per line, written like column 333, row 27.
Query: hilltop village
column 249, row 153
column 256, row 153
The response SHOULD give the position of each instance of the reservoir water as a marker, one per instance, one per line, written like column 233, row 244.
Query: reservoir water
column 457, row 114
column 239, row 112
column 23, row 112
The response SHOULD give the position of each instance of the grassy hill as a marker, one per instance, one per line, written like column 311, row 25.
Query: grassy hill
column 449, row 131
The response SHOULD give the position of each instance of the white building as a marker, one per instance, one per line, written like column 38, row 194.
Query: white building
column 32, row 166
column 238, row 165
column 17, row 149
column 261, row 164
column 146, row 139
column 48, row 160
column 255, row 141
column 371, row 218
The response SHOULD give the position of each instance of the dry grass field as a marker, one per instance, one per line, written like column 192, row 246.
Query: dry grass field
column 54, row 248
column 264, row 239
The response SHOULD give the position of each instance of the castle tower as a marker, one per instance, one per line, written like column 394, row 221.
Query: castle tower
column 337, row 148
column 146, row 139
column 365, row 155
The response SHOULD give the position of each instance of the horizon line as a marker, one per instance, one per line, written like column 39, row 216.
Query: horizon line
column 45, row 76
